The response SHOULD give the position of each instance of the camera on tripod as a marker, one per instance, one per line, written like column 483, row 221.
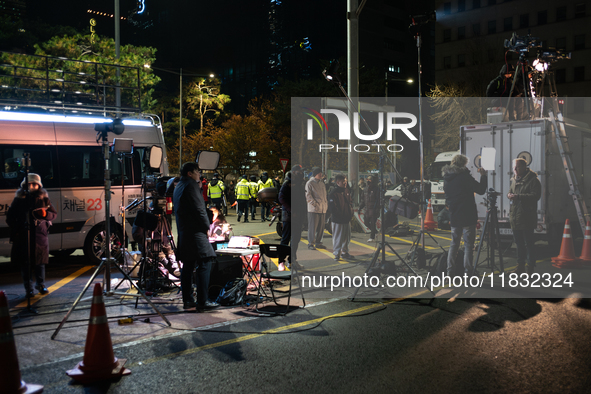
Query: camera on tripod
column 158, row 201
column 522, row 44
column 491, row 196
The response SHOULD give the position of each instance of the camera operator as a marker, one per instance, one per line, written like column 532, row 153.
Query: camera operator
column 524, row 192
column 459, row 187
column 194, row 249
column 42, row 213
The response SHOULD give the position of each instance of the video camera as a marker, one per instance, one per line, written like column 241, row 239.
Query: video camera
column 552, row 55
column 522, row 44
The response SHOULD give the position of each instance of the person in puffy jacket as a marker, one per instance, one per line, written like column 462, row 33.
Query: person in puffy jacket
column 317, row 206
column 340, row 207
column 459, row 187
column 42, row 213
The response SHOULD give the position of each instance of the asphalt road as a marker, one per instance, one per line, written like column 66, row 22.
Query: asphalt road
column 453, row 345
column 457, row 346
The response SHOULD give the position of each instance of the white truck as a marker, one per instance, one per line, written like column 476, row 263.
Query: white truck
column 561, row 175
column 437, row 194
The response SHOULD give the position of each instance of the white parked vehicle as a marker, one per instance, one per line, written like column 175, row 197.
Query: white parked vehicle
column 536, row 142
column 65, row 152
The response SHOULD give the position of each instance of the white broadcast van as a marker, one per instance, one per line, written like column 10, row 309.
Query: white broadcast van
column 68, row 155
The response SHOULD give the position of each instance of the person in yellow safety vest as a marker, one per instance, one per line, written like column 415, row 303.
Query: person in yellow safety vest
column 215, row 191
column 265, row 182
column 254, row 190
column 243, row 196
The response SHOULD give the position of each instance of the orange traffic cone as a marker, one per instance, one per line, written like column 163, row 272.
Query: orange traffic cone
column 430, row 224
column 586, row 252
column 99, row 362
column 10, row 378
column 566, row 258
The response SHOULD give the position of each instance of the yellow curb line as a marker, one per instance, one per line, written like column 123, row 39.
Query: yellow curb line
column 57, row 285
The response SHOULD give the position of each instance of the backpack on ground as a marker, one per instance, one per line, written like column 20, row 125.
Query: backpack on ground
column 232, row 293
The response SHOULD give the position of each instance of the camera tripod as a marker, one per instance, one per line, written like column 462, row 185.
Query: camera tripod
column 520, row 72
column 381, row 249
column 108, row 261
column 152, row 277
column 490, row 232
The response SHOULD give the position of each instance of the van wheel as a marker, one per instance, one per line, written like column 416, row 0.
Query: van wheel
column 60, row 254
column 94, row 245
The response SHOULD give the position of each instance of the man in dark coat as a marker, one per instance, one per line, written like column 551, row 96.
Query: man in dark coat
column 459, row 187
column 371, row 203
column 524, row 192
column 340, row 207
column 194, row 249
column 293, row 200
column 42, row 213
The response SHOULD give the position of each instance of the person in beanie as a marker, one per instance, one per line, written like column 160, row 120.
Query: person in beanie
column 459, row 187
column 524, row 192
column 317, row 206
column 340, row 207
column 243, row 196
column 42, row 212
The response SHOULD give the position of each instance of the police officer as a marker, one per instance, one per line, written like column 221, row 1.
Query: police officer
column 263, row 183
column 254, row 189
column 214, row 191
column 243, row 196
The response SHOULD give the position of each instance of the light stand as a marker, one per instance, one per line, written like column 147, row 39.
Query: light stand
column 417, row 21
column 331, row 75
column 103, row 129
column 124, row 149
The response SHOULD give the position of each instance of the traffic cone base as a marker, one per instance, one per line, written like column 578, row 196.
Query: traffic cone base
column 430, row 224
column 566, row 258
column 99, row 362
column 82, row 376
column 10, row 377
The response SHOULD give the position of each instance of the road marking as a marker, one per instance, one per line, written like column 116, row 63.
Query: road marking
column 56, row 286
column 437, row 236
column 260, row 235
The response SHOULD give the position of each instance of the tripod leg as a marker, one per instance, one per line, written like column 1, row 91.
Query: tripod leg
column 94, row 275
column 143, row 295
column 373, row 262
column 498, row 242
column 409, row 267
column 482, row 237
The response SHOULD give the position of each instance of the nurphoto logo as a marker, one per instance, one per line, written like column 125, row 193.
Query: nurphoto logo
column 344, row 129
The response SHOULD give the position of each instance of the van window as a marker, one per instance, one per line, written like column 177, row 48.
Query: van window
column 83, row 166
column 43, row 162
